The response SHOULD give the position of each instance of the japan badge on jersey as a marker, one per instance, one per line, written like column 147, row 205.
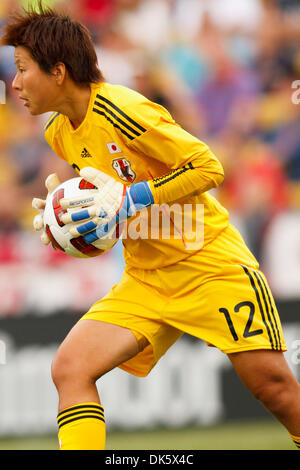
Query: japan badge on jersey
column 123, row 168
column 113, row 147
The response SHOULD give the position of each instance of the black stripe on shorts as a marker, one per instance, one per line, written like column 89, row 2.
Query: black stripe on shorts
column 272, row 313
column 259, row 296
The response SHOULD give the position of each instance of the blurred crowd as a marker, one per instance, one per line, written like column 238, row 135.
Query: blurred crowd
column 225, row 70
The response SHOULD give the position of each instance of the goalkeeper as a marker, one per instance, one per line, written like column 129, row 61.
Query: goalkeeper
column 212, row 289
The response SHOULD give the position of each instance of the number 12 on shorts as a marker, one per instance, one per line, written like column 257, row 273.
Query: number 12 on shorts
column 247, row 333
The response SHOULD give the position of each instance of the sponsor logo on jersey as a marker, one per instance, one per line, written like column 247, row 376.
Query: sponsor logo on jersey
column 113, row 147
column 122, row 166
column 85, row 153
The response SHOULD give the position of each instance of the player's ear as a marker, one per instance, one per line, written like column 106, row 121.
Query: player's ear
column 59, row 72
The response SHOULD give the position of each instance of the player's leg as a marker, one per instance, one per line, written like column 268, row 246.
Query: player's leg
column 122, row 329
column 268, row 377
column 234, row 310
column 91, row 349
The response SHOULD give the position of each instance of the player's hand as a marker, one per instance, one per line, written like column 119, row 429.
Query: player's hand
column 51, row 184
column 112, row 204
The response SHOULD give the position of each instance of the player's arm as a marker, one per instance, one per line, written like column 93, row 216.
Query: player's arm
column 193, row 168
column 197, row 170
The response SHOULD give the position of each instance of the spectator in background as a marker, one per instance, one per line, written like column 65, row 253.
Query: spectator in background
column 96, row 14
column 257, row 188
column 231, row 65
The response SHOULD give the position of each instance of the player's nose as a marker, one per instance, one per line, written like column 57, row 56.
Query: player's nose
column 16, row 84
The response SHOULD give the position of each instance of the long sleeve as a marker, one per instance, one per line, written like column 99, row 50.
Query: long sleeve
column 199, row 175
column 193, row 166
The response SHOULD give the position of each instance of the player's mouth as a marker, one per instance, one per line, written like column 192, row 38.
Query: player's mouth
column 26, row 101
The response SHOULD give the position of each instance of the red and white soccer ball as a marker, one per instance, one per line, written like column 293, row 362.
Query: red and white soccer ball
column 58, row 232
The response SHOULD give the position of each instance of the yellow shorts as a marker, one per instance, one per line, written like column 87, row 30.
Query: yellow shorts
column 218, row 295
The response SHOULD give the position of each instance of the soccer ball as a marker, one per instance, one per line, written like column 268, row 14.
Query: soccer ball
column 58, row 232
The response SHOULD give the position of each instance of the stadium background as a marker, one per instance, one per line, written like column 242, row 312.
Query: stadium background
column 225, row 69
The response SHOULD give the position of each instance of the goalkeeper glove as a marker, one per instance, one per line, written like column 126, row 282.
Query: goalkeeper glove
column 113, row 204
column 51, row 184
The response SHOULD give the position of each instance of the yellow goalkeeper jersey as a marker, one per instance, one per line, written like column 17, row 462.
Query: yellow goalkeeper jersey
column 133, row 139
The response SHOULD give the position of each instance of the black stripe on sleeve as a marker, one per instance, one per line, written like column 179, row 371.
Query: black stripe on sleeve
column 124, row 115
column 123, row 123
column 131, row 137
column 174, row 174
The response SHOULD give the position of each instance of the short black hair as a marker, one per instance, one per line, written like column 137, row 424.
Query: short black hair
column 52, row 37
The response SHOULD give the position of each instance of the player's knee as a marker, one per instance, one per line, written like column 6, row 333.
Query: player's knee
column 61, row 368
column 66, row 368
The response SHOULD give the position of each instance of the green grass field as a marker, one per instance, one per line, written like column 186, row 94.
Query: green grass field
column 261, row 435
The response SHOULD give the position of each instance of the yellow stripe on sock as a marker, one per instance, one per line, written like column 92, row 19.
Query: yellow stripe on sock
column 84, row 410
column 296, row 440
column 80, row 406
column 82, row 427
column 79, row 415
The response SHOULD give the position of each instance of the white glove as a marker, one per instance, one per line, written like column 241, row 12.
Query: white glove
column 113, row 204
column 51, row 184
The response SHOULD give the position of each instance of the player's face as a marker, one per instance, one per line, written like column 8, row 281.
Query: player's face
column 37, row 88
